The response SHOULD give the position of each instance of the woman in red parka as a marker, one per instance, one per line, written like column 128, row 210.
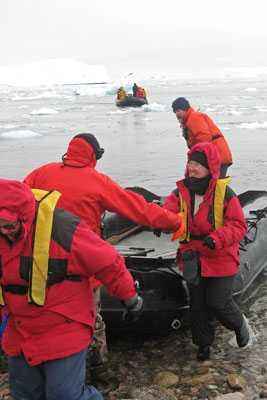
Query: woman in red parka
column 208, row 252
column 47, row 257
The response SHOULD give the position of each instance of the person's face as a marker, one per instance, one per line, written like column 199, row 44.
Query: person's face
column 197, row 170
column 180, row 114
column 9, row 228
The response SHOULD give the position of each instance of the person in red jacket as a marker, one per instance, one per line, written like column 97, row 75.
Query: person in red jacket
column 208, row 253
column 47, row 256
column 88, row 194
column 198, row 127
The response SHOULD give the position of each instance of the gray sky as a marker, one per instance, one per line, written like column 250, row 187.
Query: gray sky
column 146, row 36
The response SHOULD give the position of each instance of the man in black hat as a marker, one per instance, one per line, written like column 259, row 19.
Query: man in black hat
column 88, row 194
column 198, row 127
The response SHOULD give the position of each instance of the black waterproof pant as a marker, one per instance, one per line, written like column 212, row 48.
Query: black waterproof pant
column 212, row 297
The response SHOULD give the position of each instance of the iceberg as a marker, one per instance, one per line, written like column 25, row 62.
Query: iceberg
column 53, row 72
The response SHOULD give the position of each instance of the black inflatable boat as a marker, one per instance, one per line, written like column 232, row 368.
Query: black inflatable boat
column 151, row 261
column 131, row 101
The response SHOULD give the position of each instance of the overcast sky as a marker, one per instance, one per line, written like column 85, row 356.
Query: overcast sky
column 146, row 36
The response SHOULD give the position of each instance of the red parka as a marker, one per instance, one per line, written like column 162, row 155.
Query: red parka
column 88, row 193
column 65, row 324
column 201, row 128
column 224, row 260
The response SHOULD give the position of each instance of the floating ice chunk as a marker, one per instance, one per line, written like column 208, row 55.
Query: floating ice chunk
column 251, row 89
column 253, row 125
column 154, row 107
column 43, row 111
column 21, row 134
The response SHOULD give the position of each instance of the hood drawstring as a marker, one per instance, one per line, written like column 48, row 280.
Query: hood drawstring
column 64, row 164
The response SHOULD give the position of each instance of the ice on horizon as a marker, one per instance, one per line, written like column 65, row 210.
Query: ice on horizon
column 53, row 72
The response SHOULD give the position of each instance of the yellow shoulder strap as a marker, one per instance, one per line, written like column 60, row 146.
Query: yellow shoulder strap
column 219, row 195
column 44, row 222
column 2, row 303
column 183, row 209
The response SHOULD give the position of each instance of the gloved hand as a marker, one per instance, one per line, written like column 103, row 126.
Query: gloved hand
column 157, row 232
column 133, row 308
column 210, row 242
column 181, row 230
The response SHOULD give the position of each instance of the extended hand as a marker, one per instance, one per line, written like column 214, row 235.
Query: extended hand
column 181, row 230
column 133, row 308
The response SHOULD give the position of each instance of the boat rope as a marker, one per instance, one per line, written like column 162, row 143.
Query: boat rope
column 252, row 224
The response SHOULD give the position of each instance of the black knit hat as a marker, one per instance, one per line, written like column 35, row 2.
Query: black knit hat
column 91, row 139
column 199, row 157
column 181, row 103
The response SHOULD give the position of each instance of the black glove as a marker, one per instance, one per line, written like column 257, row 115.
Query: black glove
column 210, row 242
column 133, row 308
column 185, row 132
column 157, row 232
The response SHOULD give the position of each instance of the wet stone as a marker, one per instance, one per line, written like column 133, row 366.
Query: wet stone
column 151, row 393
column 236, row 381
column 231, row 396
column 263, row 394
column 165, row 379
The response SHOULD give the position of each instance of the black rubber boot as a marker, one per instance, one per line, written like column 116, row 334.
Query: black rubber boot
column 203, row 353
column 103, row 379
column 242, row 334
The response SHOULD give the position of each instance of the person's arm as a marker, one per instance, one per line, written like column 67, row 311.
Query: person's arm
column 234, row 225
column 90, row 255
column 171, row 202
column 134, row 207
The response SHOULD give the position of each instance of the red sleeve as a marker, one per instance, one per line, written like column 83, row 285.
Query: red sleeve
column 91, row 255
column 234, row 225
column 134, row 207
column 171, row 203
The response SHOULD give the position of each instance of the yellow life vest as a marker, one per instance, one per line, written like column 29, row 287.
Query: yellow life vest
column 218, row 199
column 43, row 228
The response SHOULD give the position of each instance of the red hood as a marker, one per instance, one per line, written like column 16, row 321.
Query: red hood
column 80, row 153
column 17, row 202
column 212, row 155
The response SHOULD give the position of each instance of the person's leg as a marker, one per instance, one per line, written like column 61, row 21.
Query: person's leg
column 25, row 382
column 65, row 379
column 101, row 377
column 200, row 319
column 220, row 301
column 97, row 351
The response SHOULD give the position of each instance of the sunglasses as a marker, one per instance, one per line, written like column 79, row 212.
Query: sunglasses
column 10, row 227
